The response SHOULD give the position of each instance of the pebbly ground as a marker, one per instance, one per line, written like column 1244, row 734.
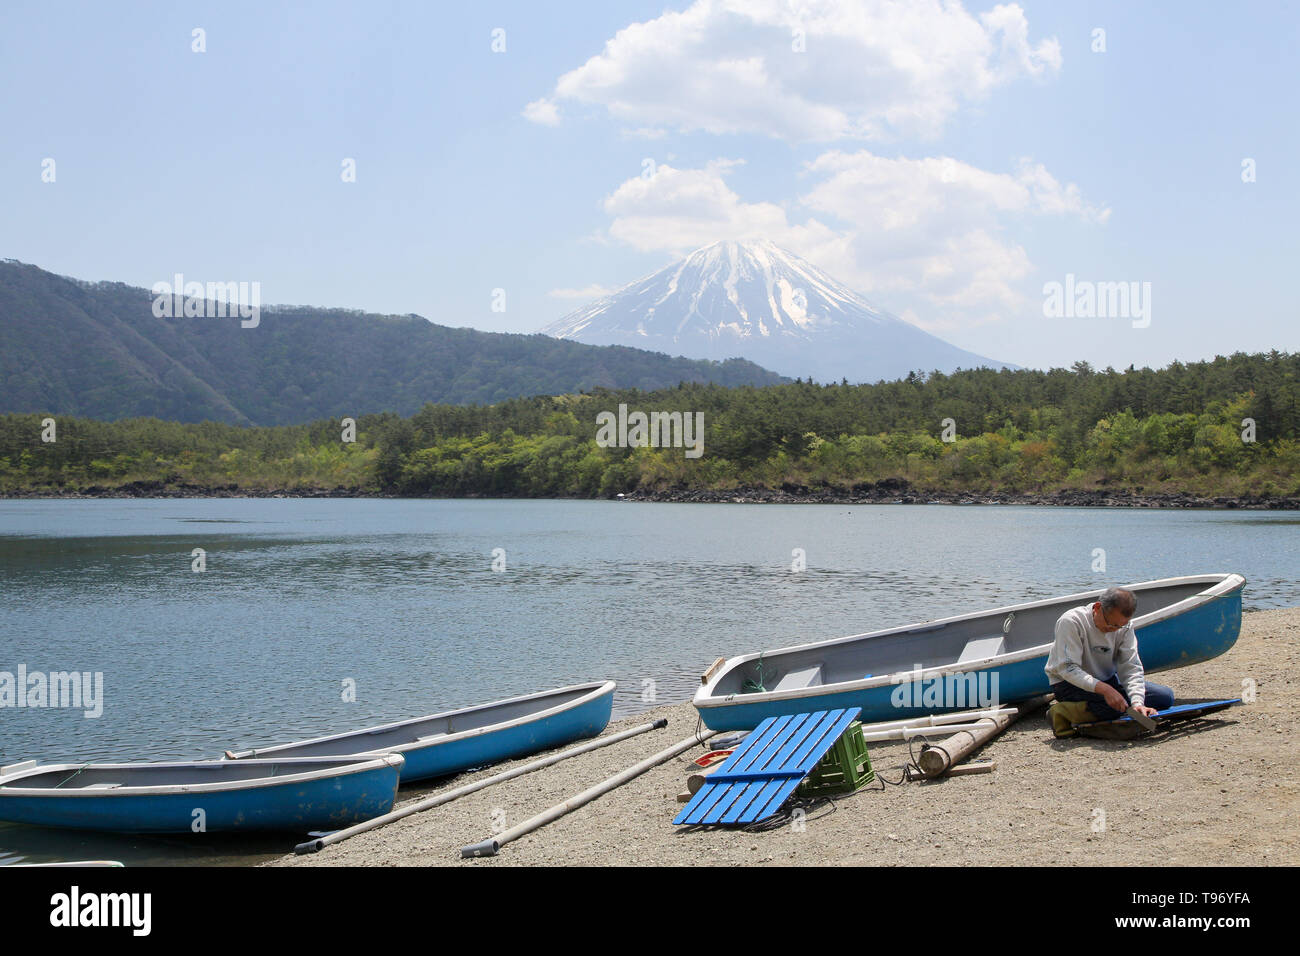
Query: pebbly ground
column 1224, row 794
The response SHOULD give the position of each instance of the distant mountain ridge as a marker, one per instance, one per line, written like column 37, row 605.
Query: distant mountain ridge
column 760, row 302
column 97, row 350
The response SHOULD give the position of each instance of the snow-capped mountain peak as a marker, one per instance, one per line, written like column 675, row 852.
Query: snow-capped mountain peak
column 758, row 301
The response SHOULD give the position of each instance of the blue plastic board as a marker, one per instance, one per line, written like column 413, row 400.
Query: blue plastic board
column 766, row 768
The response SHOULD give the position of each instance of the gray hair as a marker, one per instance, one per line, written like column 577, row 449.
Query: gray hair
column 1119, row 599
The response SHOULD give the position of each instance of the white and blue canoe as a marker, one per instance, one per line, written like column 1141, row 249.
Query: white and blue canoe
column 211, row 796
column 457, row 740
column 957, row 663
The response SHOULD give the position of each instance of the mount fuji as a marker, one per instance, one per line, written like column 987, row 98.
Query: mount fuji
column 760, row 302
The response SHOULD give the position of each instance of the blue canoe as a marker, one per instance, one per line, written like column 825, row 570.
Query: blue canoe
column 201, row 796
column 957, row 663
column 447, row 743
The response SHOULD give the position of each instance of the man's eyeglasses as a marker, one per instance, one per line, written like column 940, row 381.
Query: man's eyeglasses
column 1109, row 623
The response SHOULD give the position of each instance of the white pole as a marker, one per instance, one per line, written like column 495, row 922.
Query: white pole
column 907, row 733
column 492, row 845
column 937, row 719
column 315, row 846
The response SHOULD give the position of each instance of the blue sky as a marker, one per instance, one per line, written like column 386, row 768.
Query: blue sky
column 945, row 160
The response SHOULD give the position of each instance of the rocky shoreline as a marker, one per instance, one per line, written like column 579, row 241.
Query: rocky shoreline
column 886, row 491
column 163, row 489
column 898, row 491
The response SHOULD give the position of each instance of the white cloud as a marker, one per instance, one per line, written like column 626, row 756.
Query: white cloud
column 870, row 68
column 934, row 229
column 543, row 111
column 1051, row 197
column 644, row 132
column 1007, row 22
column 930, row 233
column 678, row 210
column 590, row 292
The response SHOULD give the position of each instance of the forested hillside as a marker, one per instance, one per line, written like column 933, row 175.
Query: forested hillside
column 1183, row 428
column 97, row 350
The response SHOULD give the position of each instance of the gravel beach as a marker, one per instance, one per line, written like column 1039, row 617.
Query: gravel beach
column 1225, row 794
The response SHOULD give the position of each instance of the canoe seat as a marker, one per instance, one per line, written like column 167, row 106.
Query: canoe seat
column 796, row 680
column 982, row 647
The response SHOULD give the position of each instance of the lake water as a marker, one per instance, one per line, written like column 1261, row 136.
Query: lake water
column 301, row 598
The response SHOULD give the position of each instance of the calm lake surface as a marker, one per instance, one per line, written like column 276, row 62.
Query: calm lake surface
column 300, row 596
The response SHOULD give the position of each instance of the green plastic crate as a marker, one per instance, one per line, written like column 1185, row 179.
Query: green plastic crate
column 845, row 768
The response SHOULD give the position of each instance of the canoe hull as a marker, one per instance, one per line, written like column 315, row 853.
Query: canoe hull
column 455, row 756
column 1193, row 636
column 325, row 803
column 503, row 730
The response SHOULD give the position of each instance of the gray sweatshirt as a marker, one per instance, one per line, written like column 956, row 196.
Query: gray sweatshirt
column 1083, row 655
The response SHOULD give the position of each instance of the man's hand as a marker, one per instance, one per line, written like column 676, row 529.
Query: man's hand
column 1148, row 711
column 1112, row 697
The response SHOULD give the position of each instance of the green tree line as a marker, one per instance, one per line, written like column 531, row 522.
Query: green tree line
column 1185, row 428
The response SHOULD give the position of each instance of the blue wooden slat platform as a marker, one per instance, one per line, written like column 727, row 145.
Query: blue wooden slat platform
column 763, row 771
column 1178, row 712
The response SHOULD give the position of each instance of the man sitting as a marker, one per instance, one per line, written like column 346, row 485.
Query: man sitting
column 1094, row 665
